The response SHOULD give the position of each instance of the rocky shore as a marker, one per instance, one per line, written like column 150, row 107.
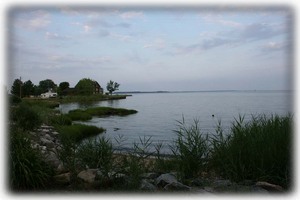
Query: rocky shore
column 46, row 139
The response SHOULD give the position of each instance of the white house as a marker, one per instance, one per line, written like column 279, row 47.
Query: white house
column 49, row 94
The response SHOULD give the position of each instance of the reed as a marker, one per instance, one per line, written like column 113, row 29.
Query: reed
column 260, row 150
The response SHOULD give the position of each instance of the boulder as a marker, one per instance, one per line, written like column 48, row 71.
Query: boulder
column 63, row 178
column 176, row 186
column 269, row 187
column 88, row 175
column 45, row 141
column 52, row 159
column 146, row 185
column 165, row 179
column 48, row 137
column 150, row 175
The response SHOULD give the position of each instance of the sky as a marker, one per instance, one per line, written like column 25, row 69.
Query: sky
column 153, row 49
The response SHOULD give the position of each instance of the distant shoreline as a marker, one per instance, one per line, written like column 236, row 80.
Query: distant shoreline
column 150, row 92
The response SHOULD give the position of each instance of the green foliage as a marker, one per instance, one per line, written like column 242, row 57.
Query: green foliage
column 190, row 149
column 28, row 88
column 112, row 86
column 85, row 86
column 25, row 117
column 16, row 87
column 257, row 150
column 60, row 119
column 96, row 153
column 27, row 169
column 13, row 99
column 62, row 86
column 45, row 85
column 77, row 132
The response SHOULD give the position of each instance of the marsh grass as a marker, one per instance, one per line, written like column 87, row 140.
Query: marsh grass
column 78, row 132
column 260, row 149
column 89, row 98
column 190, row 149
column 84, row 115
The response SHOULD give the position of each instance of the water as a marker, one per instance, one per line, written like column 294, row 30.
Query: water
column 158, row 112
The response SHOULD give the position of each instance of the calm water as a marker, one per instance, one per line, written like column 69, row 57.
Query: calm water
column 158, row 112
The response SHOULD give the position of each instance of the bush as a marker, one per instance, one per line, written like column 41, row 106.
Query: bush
column 28, row 170
column 190, row 149
column 257, row 150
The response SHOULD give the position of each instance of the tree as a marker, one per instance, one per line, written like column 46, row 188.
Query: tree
column 28, row 88
column 112, row 86
column 16, row 88
column 47, row 84
column 85, row 86
column 62, row 86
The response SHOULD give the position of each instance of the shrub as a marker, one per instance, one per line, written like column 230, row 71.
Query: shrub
column 257, row 150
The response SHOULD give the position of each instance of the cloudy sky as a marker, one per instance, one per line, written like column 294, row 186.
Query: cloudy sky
column 153, row 49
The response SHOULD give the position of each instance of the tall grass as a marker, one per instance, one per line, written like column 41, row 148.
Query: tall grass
column 257, row 150
column 190, row 149
column 28, row 170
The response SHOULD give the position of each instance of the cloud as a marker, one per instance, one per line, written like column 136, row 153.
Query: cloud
column 131, row 14
column 157, row 44
column 35, row 20
column 87, row 28
column 55, row 36
column 273, row 46
column 240, row 35
column 259, row 31
column 218, row 19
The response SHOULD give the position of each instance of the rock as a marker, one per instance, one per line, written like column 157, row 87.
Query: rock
column 55, row 133
column 48, row 137
column 150, row 175
column 176, row 186
column 52, row 159
column 63, row 178
column 146, row 185
column 45, row 141
column 165, row 179
column 88, row 175
column 269, row 187
column 46, row 127
column 222, row 183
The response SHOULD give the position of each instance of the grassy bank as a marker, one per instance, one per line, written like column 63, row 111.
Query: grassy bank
column 77, row 132
column 84, row 115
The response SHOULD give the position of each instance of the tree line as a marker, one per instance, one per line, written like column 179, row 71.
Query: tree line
column 85, row 86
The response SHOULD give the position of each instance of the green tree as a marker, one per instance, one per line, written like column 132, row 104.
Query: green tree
column 112, row 86
column 47, row 84
column 62, row 86
column 85, row 86
column 16, row 88
column 28, row 88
